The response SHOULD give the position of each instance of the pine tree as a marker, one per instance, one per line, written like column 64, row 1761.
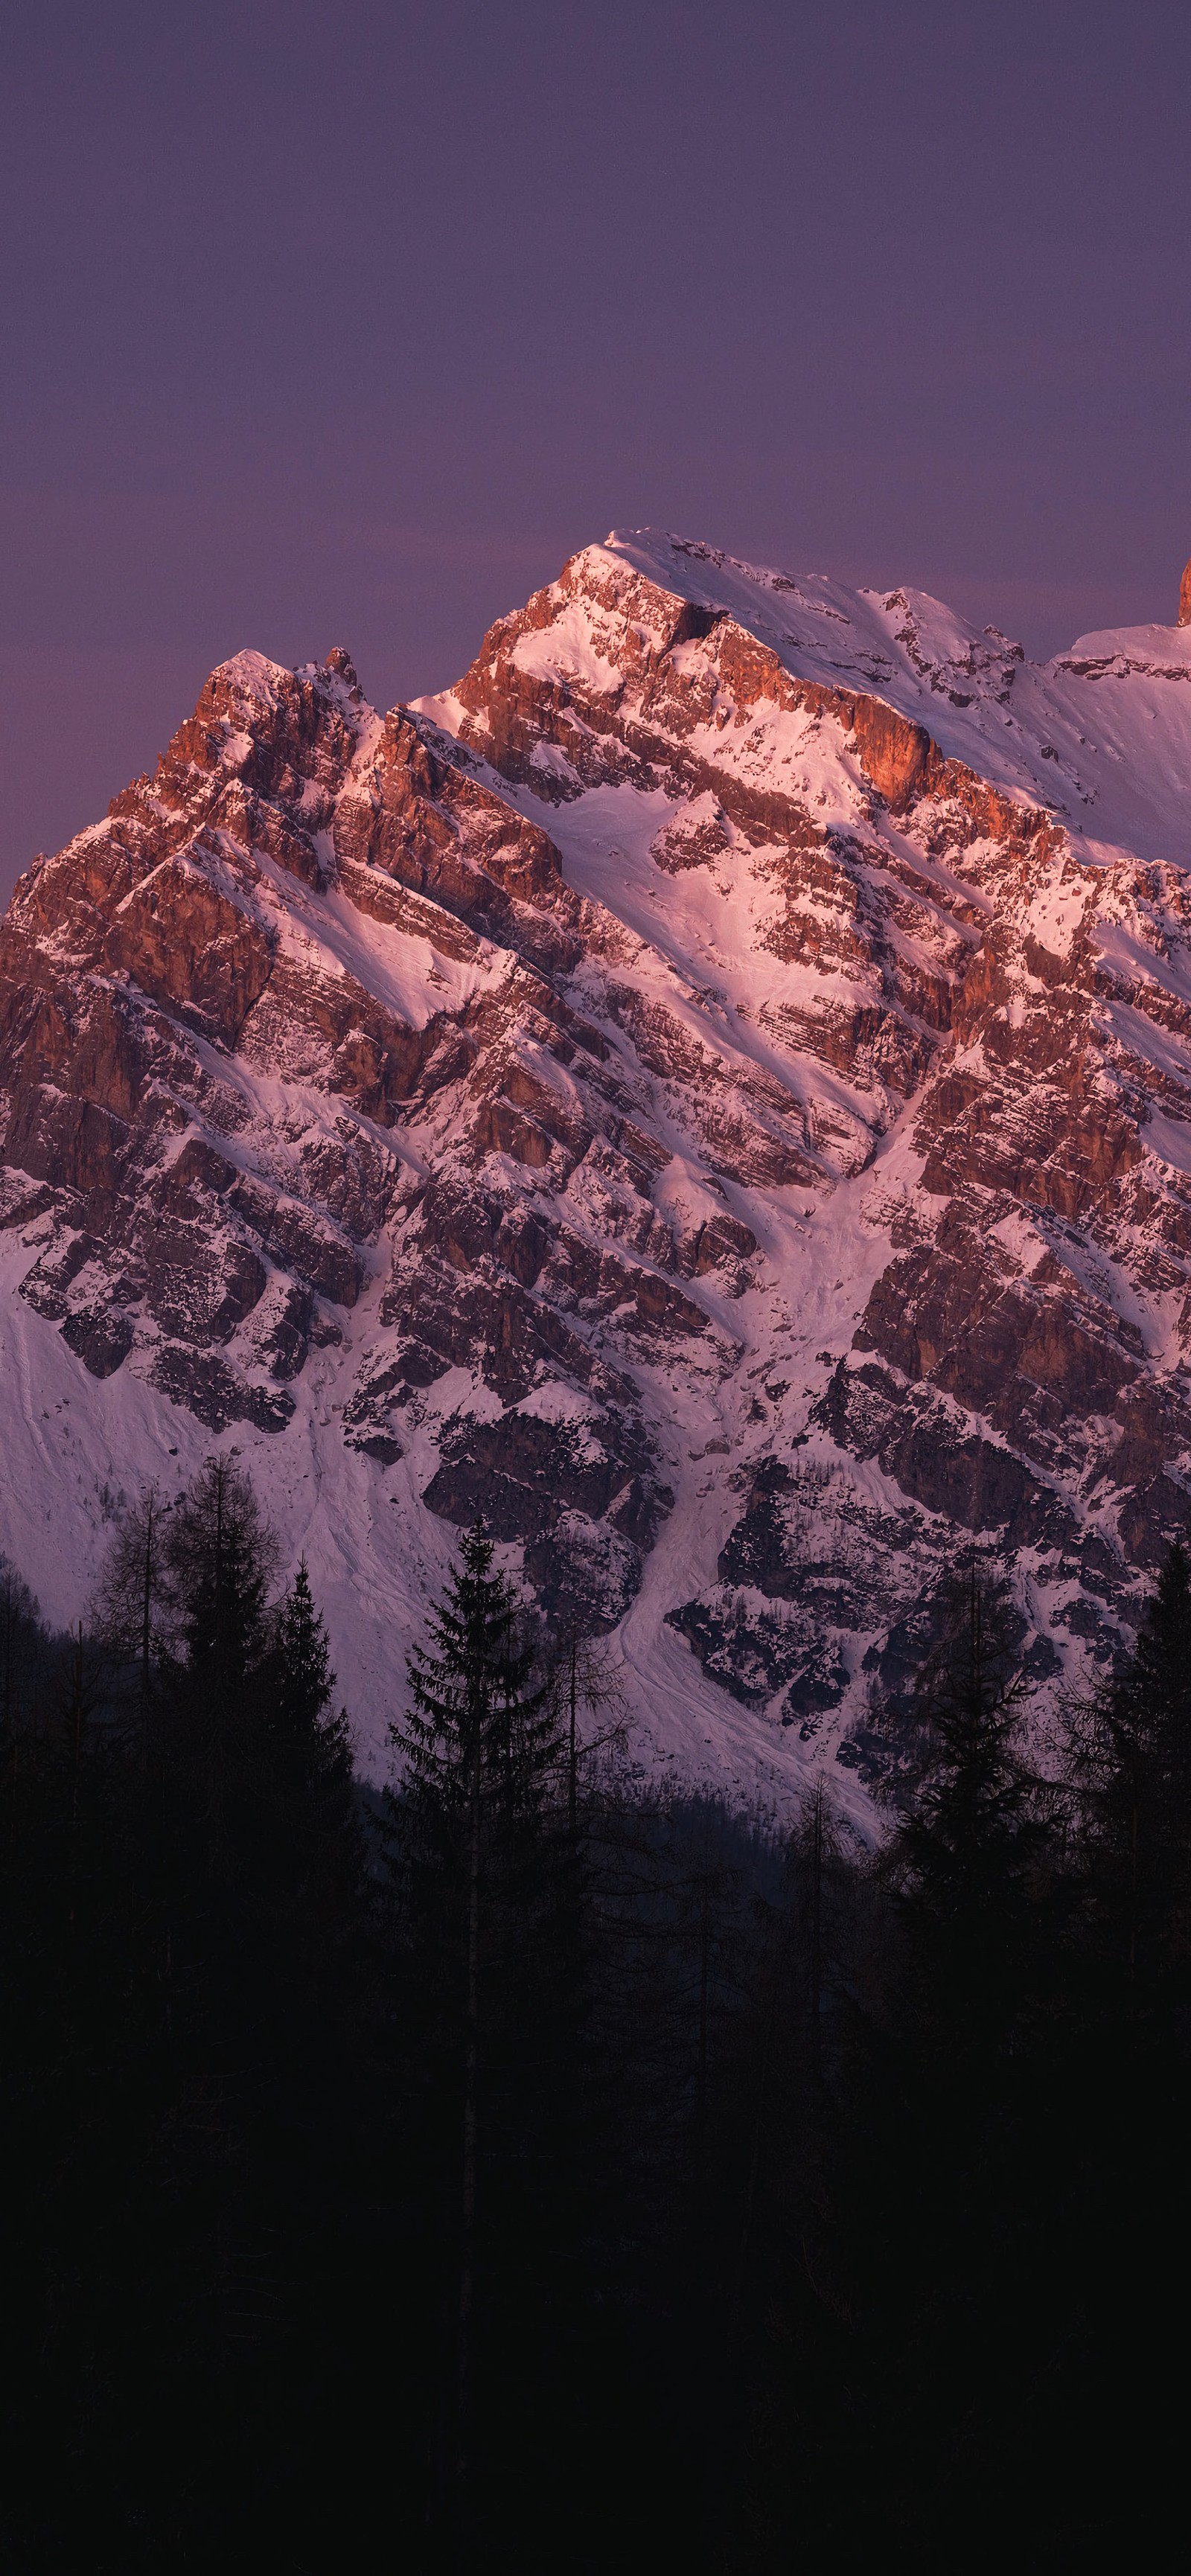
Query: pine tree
column 305, row 1678
column 968, row 1850
column 935, row 2163
column 220, row 1557
column 310, row 1740
column 484, row 1858
column 22, row 1655
column 1127, row 2068
column 250, row 1866
column 1131, row 1767
column 480, row 1741
column 189, row 2157
column 315, row 1840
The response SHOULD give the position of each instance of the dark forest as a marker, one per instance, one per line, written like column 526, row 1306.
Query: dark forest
column 523, row 2168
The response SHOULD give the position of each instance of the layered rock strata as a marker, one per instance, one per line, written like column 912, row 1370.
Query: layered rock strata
column 712, row 1091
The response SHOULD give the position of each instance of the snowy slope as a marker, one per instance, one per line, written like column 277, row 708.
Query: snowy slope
column 712, row 1090
column 1113, row 762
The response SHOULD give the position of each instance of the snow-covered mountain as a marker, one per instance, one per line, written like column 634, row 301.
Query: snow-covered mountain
column 713, row 1089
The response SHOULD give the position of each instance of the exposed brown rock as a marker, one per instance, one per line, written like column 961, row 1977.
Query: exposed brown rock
column 315, row 1021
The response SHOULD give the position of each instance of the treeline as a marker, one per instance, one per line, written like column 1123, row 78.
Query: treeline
column 522, row 2169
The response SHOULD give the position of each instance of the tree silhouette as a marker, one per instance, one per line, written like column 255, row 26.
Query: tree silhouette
column 484, row 1864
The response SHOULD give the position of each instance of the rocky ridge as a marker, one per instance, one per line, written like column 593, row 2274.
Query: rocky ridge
column 713, row 1089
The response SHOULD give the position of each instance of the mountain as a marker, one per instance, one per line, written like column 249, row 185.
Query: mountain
column 712, row 1090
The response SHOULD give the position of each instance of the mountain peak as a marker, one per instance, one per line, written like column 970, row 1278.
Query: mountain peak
column 711, row 1091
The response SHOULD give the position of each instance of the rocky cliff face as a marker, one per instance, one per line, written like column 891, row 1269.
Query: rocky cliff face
column 713, row 1090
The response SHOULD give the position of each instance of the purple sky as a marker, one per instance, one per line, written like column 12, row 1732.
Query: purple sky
column 346, row 321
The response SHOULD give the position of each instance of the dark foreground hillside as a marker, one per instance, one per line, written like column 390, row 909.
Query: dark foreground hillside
column 527, row 2171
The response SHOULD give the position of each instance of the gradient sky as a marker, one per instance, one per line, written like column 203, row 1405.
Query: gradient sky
column 346, row 321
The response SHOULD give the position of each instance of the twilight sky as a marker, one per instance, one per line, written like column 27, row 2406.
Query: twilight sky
column 347, row 320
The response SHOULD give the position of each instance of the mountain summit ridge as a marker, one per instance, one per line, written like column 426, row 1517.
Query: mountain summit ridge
column 712, row 1090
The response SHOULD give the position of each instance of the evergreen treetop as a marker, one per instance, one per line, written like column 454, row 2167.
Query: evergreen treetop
column 478, row 1724
column 975, row 1833
column 1130, row 1760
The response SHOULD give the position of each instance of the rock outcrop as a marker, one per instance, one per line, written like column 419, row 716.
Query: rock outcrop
column 712, row 1091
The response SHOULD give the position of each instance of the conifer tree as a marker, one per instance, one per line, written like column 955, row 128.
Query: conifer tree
column 206, row 1770
column 484, row 1765
column 1131, row 1767
column 315, row 1837
column 20, row 1643
column 303, row 1685
column 220, row 1557
column 248, row 1867
column 480, row 1741
column 976, row 1829
column 305, row 1678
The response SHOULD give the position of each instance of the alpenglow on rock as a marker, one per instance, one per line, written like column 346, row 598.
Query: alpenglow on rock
column 1185, row 597
column 711, row 1092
